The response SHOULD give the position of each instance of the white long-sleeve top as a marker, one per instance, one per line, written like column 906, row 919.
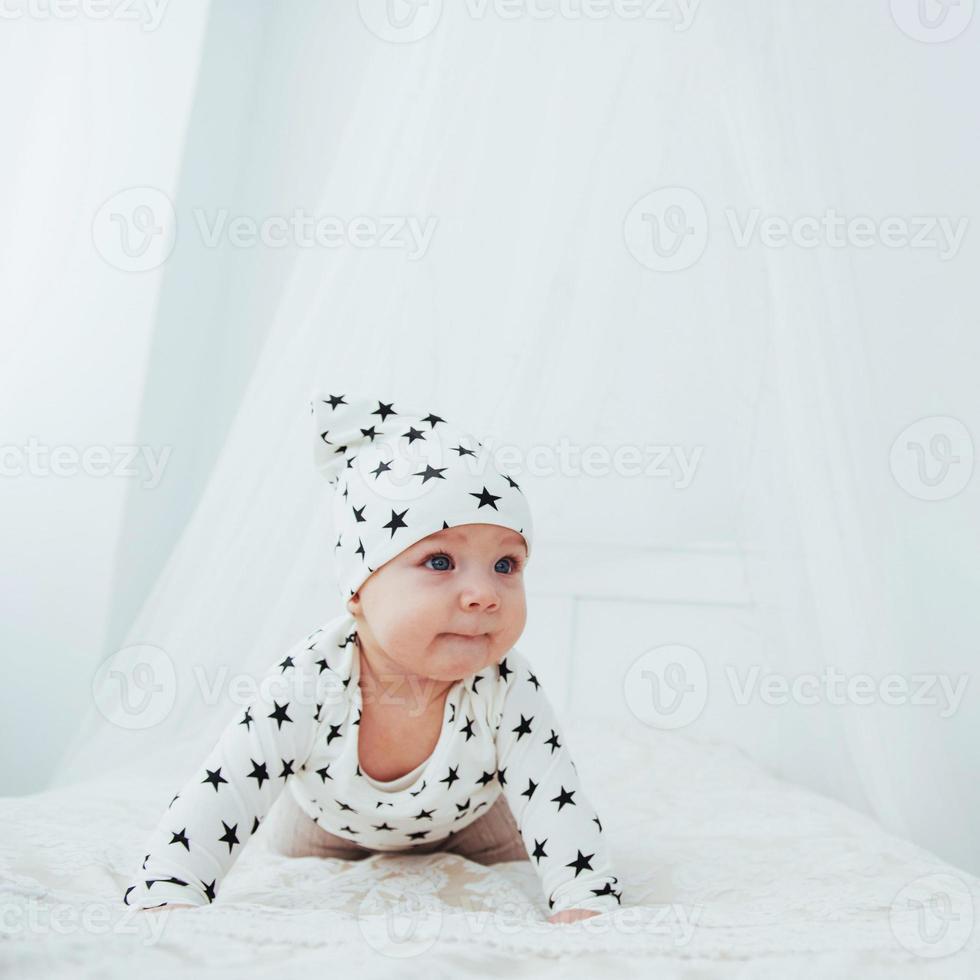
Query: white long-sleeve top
column 499, row 735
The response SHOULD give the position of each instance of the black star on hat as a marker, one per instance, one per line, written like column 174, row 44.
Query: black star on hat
column 396, row 521
column 280, row 714
column 214, row 778
column 431, row 473
column 487, row 499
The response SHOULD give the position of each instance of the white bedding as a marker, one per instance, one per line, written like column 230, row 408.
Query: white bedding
column 726, row 871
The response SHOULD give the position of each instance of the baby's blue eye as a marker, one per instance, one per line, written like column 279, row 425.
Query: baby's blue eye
column 438, row 558
column 509, row 563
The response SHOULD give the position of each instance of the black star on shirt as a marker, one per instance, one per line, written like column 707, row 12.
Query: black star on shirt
column 247, row 720
column 359, row 514
column 476, row 680
column 502, row 779
column 334, row 400
column 468, row 729
column 533, row 680
column 280, row 714
column 607, row 889
column 413, row 434
column 487, row 777
column 229, row 837
column 486, row 498
column 418, row 834
column 382, row 826
column 385, row 410
column 424, row 815
column 539, row 850
column 563, row 797
column 255, row 824
column 503, row 670
column 214, row 778
column 323, row 774
column 344, row 806
column 180, row 837
column 334, row 733
column 581, row 863
column 288, row 662
column 380, row 468
column 524, row 728
column 287, row 768
column 209, row 889
column 599, row 825
column 463, row 451
column 259, row 772
column 433, row 420
column 451, row 778
column 531, row 787
column 553, row 742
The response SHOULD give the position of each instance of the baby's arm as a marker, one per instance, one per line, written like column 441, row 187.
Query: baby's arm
column 221, row 805
column 560, row 828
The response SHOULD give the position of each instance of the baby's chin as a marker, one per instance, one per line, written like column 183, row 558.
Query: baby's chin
column 454, row 658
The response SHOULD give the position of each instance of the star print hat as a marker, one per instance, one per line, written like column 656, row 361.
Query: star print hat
column 398, row 476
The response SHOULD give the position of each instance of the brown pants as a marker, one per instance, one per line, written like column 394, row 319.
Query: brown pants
column 490, row 839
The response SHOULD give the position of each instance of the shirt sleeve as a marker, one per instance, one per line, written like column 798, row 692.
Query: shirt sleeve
column 213, row 815
column 559, row 826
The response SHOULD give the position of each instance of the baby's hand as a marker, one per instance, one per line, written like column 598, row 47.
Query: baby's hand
column 571, row 915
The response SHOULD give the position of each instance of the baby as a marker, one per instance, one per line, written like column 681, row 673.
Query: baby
column 411, row 722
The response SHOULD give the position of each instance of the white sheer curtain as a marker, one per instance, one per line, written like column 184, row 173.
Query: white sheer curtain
column 529, row 141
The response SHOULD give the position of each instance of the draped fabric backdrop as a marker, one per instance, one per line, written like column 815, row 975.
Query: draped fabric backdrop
column 783, row 376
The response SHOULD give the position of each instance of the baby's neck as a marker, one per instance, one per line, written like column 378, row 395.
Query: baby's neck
column 390, row 689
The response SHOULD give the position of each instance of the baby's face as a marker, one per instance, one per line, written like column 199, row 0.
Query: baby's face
column 463, row 580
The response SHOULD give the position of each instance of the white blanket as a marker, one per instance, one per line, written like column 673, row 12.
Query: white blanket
column 726, row 872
